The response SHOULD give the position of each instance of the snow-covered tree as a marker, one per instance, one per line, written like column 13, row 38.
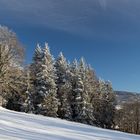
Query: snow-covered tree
column 77, row 89
column 51, row 101
column 45, row 101
column 28, row 106
column 36, row 69
column 79, row 94
column 104, row 105
column 63, row 87
column 111, row 103
column 90, row 84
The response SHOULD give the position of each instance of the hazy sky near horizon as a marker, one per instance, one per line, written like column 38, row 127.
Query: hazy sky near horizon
column 105, row 32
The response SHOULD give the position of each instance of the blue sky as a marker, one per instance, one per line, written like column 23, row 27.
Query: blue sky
column 105, row 32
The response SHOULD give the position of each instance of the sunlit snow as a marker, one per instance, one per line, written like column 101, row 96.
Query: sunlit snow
column 21, row 126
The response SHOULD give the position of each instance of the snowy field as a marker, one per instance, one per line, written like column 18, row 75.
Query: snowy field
column 21, row 126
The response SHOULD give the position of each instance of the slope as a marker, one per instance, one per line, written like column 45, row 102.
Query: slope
column 21, row 126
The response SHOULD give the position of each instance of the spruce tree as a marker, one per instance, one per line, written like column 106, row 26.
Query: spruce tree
column 63, row 87
column 28, row 106
column 86, row 75
column 84, row 112
column 48, row 83
column 36, row 70
column 45, row 101
column 90, row 83
column 79, row 104
column 104, row 106
column 110, row 104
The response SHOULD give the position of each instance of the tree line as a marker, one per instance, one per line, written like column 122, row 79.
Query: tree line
column 70, row 91
column 53, row 87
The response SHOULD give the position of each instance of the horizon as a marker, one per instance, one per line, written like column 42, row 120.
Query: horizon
column 104, row 32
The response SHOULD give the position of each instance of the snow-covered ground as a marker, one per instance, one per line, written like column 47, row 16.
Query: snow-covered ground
column 21, row 126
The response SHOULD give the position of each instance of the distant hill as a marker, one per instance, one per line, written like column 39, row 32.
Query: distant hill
column 124, row 96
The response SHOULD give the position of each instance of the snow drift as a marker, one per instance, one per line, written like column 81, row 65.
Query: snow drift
column 21, row 126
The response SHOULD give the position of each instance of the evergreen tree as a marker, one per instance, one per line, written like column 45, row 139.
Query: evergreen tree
column 45, row 101
column 79, row 102
column 85, row 105
column 104, row 109
column 28, row 103
column 50, row 89
column 110, row 106
column 64, row 87
column 74, row 75
column 98, row 104
column 36, row 69
column 90, row 83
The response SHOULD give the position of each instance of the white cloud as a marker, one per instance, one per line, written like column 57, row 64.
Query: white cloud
column 62, row 15
column 83, row 17
column 103, row 3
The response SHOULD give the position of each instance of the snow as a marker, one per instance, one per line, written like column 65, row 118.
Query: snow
column 21, row 126
column 118, row 107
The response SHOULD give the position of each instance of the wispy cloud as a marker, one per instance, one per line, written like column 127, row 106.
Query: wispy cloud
column 103, row 3
column 79, row 17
